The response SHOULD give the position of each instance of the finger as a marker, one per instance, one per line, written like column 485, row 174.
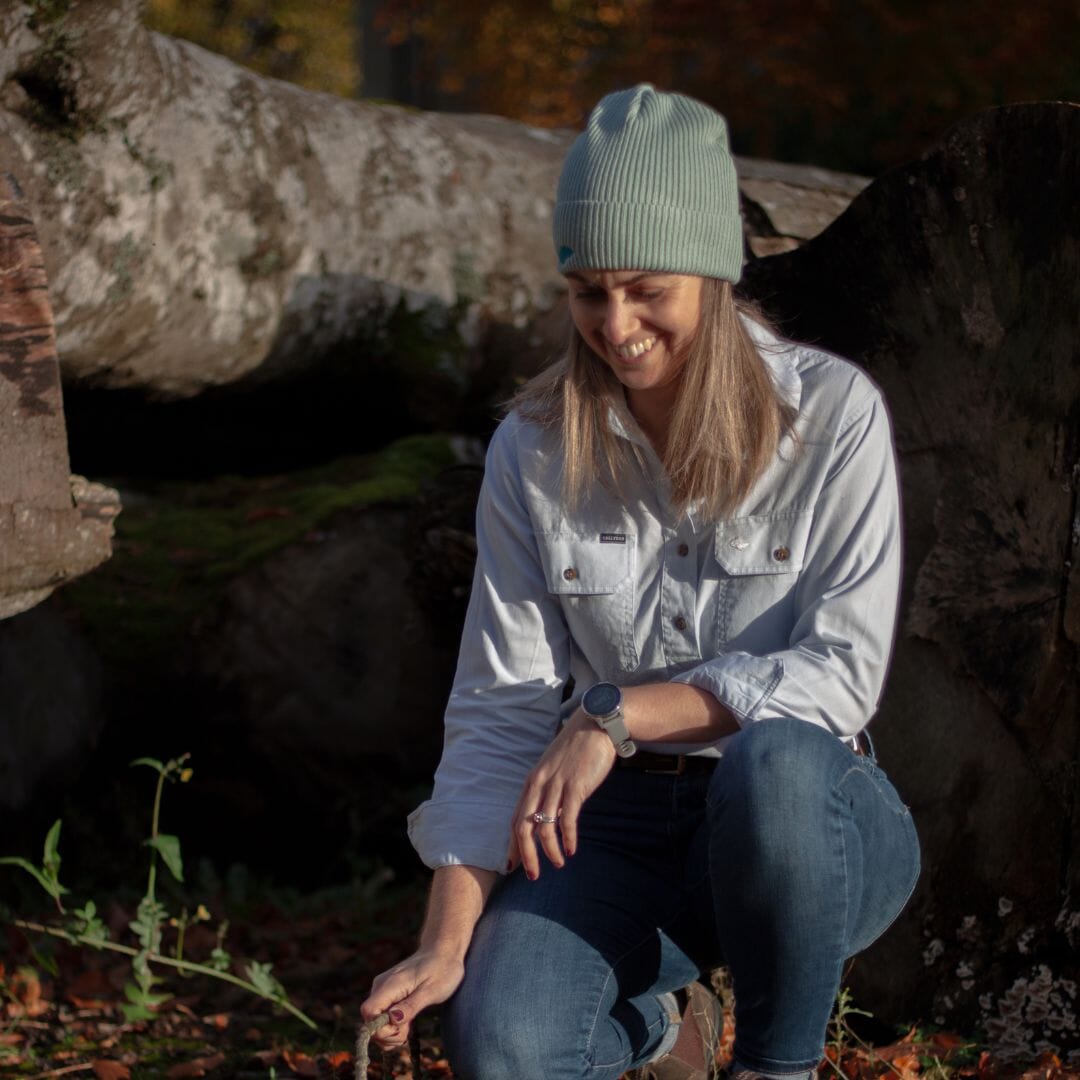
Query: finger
column 525, row 835
column 391, row 1036
column 568, row 822
column 548, row 835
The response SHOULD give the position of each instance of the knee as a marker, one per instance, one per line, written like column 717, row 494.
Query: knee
column 494, row 1040
column 775, row 774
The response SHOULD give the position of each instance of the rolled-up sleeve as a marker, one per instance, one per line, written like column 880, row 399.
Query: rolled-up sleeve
column 504, row 707
column 833, row 668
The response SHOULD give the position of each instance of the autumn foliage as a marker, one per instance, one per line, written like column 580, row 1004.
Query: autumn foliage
column 855, row 84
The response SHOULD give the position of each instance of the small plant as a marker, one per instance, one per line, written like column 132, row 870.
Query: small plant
column 83, row 926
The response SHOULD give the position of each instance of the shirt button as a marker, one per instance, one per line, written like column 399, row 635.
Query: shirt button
column 680, row 622
column 683, row 549
column 570, row 574
column 781, row 554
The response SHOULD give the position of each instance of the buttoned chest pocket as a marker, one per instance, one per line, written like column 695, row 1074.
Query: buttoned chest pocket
column 760, row 559
column 593, row 576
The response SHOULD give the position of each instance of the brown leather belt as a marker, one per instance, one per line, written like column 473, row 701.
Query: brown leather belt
column 667, row 764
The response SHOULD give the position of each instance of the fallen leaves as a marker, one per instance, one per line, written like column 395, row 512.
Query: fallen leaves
column 199, row 1066
column 106, row 1069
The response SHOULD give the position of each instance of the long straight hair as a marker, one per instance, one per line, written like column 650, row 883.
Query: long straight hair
column 725, row 426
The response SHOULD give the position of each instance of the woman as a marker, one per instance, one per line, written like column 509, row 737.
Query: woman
column 689, row 531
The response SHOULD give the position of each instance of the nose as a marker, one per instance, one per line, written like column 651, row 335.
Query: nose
column 619, row 321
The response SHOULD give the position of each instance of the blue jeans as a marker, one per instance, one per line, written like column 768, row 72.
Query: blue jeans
column 790, row 856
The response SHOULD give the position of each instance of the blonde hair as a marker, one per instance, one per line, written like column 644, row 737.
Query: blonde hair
column 725, row 426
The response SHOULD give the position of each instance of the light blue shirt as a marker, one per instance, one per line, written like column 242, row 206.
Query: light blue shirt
column 785, row 608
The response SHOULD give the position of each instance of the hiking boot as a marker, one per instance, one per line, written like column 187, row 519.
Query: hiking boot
column 693, row 1057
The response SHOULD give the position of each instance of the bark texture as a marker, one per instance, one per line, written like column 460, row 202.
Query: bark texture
column 202, row 224
column 953, row 281
column 52, row 527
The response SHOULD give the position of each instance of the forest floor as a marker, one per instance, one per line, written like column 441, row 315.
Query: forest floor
column 62, row 1007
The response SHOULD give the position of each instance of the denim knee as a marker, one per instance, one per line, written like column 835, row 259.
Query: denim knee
column 778, row 773
column 493, row 1038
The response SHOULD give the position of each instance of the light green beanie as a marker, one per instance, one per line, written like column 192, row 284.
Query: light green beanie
column 650, row 185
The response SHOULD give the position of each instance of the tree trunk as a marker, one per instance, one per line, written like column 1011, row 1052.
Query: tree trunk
column 953, row 281
column 52, row 527
column 203, row 225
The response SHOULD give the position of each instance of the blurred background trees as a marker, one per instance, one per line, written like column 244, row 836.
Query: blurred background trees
column 858, row 85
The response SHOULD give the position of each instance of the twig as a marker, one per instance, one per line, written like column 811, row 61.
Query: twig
column 363, row 1038
column 60, row 1072
column 155, row 958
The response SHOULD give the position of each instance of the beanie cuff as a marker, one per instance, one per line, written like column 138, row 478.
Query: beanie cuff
column 593, row 235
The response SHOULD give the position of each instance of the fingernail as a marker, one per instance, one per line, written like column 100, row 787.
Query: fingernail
column 397, row 1015
column 509, row 865
column 530, row 875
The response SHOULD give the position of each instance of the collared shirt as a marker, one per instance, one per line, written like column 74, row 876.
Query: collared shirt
column 786, row 607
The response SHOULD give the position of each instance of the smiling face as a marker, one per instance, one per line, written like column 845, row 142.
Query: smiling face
column 640, row 323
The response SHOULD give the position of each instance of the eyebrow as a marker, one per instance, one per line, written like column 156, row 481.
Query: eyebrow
column 575, row 276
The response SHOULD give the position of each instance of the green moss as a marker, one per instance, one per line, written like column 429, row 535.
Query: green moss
column 177, row 547
column 43, row 13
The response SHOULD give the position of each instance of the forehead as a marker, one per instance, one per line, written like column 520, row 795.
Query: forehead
column 620, row 279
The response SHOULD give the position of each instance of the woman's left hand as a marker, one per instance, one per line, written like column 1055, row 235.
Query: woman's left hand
column 572, row 768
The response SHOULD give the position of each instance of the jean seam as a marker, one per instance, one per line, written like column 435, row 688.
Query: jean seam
column 590, row 1064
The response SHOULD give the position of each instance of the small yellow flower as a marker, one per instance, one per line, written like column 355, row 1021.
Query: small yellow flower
column 201, row 914
column 186, row 775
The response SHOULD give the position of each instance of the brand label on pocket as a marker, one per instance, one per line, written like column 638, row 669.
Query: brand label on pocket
column 613, row 538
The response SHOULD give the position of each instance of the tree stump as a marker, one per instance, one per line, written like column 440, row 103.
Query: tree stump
column 52, row 527
column 953, row 281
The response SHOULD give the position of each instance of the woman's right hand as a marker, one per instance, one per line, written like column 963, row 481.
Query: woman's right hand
column 405, row 990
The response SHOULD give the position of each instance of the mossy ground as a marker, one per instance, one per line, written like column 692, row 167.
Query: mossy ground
column 178, row 544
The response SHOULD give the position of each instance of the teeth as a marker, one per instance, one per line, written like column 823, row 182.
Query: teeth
column 627, row 352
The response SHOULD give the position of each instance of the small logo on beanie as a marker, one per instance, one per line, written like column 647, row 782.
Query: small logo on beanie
column 565, row 254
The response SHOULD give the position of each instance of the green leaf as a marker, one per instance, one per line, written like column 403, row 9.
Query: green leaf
column 168, row 847
column 142, row 1004
column 259, row 976
column 147, row 924
column 151, row 762
column 89, row 926
column 50, row 859
column 46, row 881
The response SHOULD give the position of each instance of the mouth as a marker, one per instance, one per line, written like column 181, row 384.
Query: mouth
column 633, row 351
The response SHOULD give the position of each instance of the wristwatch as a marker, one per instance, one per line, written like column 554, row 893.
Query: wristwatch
column 602, row 703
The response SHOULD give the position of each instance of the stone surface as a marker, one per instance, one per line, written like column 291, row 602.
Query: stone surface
column 335, row 655
column 50, row 683
column 52, row 527
column 952, row 280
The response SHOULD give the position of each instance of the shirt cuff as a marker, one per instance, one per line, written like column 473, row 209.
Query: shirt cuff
column 451, row 833
column 739, row 681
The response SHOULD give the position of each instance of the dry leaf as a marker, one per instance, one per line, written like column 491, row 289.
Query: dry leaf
column 106, row 1069
column 300, row 1063
column 196, row 1067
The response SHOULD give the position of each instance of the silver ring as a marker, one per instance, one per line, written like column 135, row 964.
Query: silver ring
column 540, row 818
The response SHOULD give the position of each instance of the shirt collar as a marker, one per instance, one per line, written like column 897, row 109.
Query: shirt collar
column 779, row 358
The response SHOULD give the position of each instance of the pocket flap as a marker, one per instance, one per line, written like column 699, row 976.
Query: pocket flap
column 586, row 565
column 763, row 545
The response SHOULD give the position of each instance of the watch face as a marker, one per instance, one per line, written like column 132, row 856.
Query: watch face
column 602, row 699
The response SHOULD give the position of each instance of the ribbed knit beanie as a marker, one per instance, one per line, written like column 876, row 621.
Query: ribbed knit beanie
column 650, row 185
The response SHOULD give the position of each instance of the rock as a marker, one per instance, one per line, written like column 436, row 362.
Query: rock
column 50, row 683
column 53, row 526
column 952, row 280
